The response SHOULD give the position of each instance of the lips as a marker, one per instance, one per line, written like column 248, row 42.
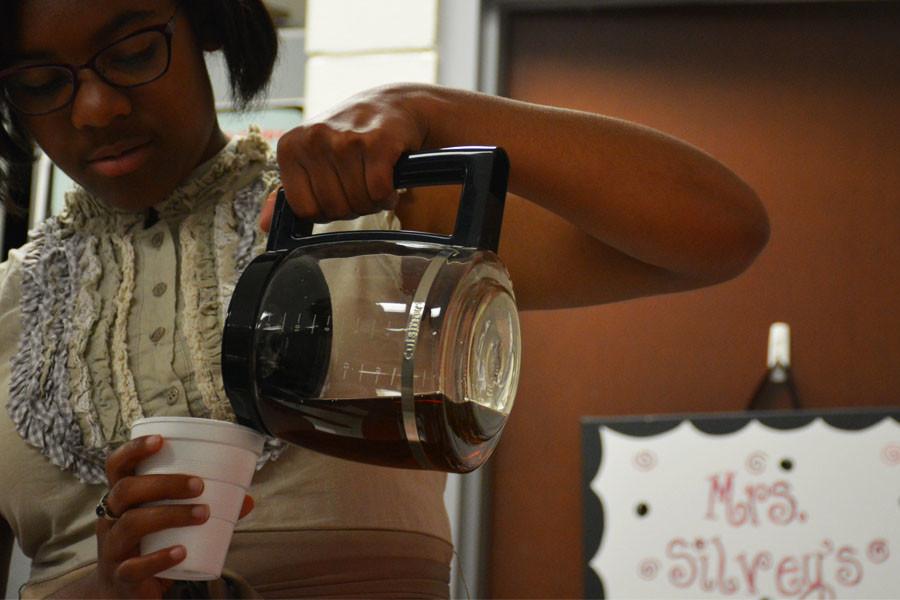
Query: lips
column 120, row 158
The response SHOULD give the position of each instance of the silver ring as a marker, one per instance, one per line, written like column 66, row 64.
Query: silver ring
column 103, row 511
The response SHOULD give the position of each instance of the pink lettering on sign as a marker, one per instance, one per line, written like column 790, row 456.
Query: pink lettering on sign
column 850, row 572
column 738, row 509
column 787, row 579
column 681, row 575
column 761, row 561
column 707, row 565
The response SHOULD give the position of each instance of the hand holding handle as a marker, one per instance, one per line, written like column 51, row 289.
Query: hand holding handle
column 482, row 171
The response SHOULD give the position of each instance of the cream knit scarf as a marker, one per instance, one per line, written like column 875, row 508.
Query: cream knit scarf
column 56, row 393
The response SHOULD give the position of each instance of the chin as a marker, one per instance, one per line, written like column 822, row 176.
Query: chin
column 133, row 196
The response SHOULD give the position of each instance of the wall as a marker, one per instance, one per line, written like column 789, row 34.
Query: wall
column 353, row 45
column 801, row 101
column 287, row 13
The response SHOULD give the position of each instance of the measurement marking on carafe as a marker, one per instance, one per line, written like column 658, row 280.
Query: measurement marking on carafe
column 312, row 328
column 393, row 376
column 265, row 323
column 377, row 373
column 296, row 327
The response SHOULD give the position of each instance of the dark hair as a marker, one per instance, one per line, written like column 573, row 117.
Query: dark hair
column 243, row 29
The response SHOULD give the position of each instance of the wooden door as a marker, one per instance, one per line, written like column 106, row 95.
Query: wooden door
column 802, row 101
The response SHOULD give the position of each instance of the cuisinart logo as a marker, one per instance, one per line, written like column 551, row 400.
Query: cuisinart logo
column 412, row 330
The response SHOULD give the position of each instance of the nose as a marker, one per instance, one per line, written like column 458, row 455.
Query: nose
column 96, row 103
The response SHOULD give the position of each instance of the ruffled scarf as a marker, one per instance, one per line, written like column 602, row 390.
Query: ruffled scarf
column 55, row 391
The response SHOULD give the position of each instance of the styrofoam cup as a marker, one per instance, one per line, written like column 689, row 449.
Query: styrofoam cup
column 224, row 455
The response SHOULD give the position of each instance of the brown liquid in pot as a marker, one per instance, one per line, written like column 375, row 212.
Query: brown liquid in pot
column 455, row 436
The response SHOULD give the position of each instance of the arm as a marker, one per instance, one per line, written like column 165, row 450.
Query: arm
column 613, row 211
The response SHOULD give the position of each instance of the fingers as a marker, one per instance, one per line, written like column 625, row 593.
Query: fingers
column 312, row 185
column 348, row 164
column 135, row 570
column 332, row 171
column 298, row 188
column 379, row 174
column 247, row 506
column 131, row 497
column 125, row 458
column 330, row 199
column 121, row 569
column 133, row 491
column 123, row 538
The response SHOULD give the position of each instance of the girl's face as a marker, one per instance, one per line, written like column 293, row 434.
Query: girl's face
column 130, row 147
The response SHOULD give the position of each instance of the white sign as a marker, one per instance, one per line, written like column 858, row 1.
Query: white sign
column 761, row 512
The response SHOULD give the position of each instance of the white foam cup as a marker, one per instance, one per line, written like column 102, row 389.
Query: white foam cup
column 224, row 455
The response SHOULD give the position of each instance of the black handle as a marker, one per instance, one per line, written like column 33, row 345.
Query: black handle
column 483, row 172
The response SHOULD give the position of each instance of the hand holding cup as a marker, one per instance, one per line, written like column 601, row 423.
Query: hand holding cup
column 121, row 569
column 224, row 456
column 145, row 505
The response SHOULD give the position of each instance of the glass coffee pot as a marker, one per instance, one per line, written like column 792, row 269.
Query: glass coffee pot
column 396, row 348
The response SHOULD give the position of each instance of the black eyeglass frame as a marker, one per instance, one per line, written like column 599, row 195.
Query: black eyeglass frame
column 167, row 29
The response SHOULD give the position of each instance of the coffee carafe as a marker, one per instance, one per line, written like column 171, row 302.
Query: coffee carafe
column 397, row 348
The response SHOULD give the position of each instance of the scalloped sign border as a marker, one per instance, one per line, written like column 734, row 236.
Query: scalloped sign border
column 722, row 424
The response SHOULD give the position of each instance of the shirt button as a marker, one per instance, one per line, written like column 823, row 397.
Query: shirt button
column 157, row 239
column 172, row 396
column 159, row 289
column 157, row 334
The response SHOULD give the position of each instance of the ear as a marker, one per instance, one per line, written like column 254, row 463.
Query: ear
column 210, row 43
column 209, row 37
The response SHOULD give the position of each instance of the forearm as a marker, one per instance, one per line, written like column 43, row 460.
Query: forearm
column 639, row 191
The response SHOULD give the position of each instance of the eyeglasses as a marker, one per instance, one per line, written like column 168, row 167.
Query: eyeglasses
column 138, row 59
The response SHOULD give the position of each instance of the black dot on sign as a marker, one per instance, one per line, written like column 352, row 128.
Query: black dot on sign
column 787, row 464
column 642, row 509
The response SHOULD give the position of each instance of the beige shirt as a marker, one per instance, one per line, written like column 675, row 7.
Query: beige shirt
column 140, row 327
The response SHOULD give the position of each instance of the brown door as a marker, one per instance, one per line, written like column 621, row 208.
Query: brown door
column 802, row 101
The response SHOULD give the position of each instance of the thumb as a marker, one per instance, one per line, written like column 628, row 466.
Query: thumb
column 268, row 208
column 247, row 506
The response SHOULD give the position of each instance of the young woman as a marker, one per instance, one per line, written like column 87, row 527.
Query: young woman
column 114, row 310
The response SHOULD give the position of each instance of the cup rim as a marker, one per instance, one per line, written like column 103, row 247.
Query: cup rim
column 250, row 439
column 199, row 420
